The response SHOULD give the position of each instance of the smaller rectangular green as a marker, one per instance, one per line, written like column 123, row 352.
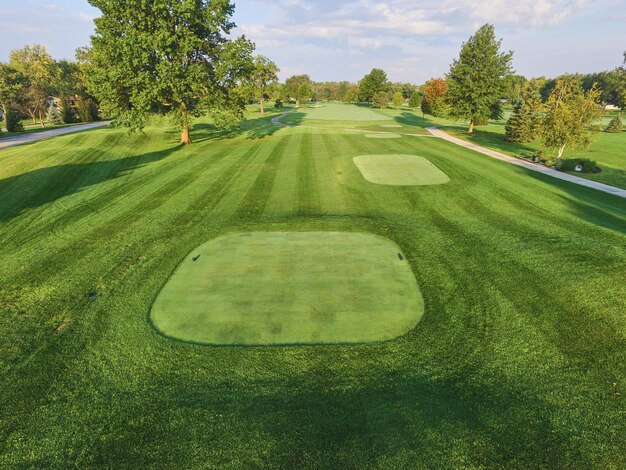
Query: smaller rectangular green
column 400, row 170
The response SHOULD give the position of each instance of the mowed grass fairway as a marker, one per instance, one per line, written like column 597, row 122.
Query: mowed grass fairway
column 290, row 288
column 518, row 360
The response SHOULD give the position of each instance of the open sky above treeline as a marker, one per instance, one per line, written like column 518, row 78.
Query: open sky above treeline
column 343, row 39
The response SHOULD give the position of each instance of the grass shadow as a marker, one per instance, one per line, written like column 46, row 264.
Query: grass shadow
column 45, row 185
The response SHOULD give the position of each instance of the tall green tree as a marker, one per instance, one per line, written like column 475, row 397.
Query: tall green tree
column 11, row 84
column 523, row 124
column 171, row 56
column 299, row 87
column 398, row 99
column 372, row 84
column 477, row 79
column 41, row 73
column 570, row 116
column 264, row 78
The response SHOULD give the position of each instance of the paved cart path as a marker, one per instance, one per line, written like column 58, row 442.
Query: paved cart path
column 12, row 141
column 529, row 166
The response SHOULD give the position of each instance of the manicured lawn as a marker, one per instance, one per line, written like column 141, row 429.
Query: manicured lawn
column 608, row 150
column 262, row 288
column 399, row 170
column 517, row 362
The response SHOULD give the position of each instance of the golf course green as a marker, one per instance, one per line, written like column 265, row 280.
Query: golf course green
column 290, row 288
column 399, row 170
column 516, row 362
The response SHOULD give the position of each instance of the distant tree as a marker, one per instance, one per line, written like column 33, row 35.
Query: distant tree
column 13, row 122
column 86, row 109
column 352, row 94
column 477, row 78
column 513, row 88
column 40, row 72
column 170, row 56
column 67, row 112
column 372, row 84
column 54, row 116
column 299, row 87
column 278, row 103
column 380, row 100
column 415, row 100
column 11, row 85
column 615, row 126
column 570, row 115
column 523, row 124
column 434, row 100
column 398, row 99
column 264, row 77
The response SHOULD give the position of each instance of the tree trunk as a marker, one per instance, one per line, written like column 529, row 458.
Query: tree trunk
column 262, row 110
column 33, row 116
column 471, row 127
column 561, row 150
column 185, row 138
column 41, row 120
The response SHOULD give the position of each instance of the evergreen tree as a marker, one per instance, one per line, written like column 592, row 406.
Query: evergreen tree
column 477, row 79
column 522, row 126
column 615, row 126
column 13, row 122
column 54, row 116
column 67, row 113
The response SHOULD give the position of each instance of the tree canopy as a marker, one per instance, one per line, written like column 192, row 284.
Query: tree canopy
column 434, row 100
column 299, row 87
column 40, row 73
column 373, row 83
column 171, row 56
column 264, row 77
column 570, row 115
column 478, row 78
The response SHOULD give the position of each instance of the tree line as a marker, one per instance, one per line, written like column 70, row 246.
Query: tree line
column 179, row 59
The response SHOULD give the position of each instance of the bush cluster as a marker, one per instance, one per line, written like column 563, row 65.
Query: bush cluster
column 570, row 164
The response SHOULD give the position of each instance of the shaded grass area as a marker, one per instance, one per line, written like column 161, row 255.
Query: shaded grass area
column 518, row 361
column 264, row 288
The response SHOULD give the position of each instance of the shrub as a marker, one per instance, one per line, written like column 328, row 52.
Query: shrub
column 54, row 116
column 278, row 104
column 87, row 109
column 415, row 100
column 570, row 164
column 13, row 121
column 615, row 126
column 67, row 113
column 381, row 99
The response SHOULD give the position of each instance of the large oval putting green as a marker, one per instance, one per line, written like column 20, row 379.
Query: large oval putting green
column 267, row 288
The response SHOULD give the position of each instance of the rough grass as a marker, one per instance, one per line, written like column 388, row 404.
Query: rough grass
column 517, row 362
column 263, row 288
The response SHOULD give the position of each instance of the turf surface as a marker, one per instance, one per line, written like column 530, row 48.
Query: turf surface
column 399, row 170
column 345, row 112
column 290, row 288
column 518, row 361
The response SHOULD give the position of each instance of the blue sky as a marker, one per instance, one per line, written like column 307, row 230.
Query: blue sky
column 344, row 39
